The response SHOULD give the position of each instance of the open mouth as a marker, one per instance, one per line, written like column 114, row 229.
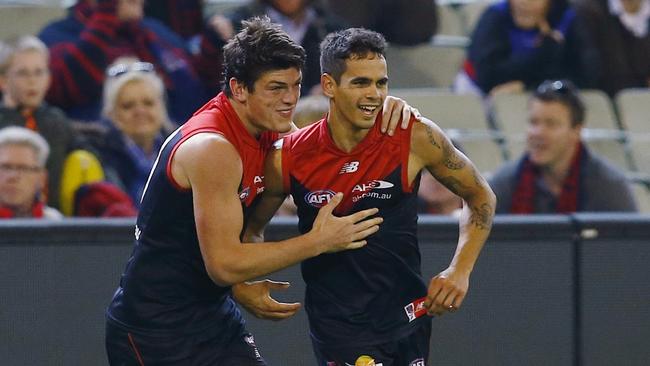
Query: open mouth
column 368, row 110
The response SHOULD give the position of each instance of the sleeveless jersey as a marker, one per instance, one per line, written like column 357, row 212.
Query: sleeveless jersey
column 165, row 287
column 369, row 295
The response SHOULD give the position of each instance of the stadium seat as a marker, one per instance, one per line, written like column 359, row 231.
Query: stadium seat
column 464, row 119
column 641, row 188
column 509, row 113
column 19, row 20
column 424, row 65
column 600, row 111
column 634, row 109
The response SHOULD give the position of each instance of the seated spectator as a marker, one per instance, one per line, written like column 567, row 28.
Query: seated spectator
column 402, row 22
column 96, row 32
column 619, row 29
column 306, row 21
column 24, row 79
column 184, row 17
column 517, row 44
column 138, row 124
column 558, row 173
column 22, row 174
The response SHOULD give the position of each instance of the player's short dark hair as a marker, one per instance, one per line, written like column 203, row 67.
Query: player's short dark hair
column 345, row 44
column 565, row 92
column 259, row 47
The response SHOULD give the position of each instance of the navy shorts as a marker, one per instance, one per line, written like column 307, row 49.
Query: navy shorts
column 412, row 350
column 128, row 349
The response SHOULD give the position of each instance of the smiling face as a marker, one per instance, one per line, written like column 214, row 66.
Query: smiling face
column 138, row 111
column 551, row 137
column 271, row 103
column 357, row 98
column 26, row 79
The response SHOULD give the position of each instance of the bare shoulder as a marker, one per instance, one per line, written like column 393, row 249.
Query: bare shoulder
column 205, row 154
column 427, row 138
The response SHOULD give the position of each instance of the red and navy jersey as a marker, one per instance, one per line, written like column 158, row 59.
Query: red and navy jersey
column 368, row 295
column 165, row 286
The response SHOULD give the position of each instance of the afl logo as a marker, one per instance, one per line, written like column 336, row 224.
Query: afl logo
column 319, row 198
column 244, row 194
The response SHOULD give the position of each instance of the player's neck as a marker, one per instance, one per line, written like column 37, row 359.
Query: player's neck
column 345, row 135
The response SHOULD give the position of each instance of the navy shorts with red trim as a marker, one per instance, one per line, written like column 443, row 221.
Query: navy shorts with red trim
column 133, row 349
column 412, row 350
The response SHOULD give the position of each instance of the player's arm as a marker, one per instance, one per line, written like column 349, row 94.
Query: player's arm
column 431, row 149
column 270, row 201
column 255, row 296
column 219, row 217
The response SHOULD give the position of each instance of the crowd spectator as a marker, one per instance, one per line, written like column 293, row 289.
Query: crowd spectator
column 402, row 22
column 517, row 44
column 24, row 80
column 306, row 21
column 23, row 154
column 96, row 32
column 558, row 173
column 135, row 112
column 184, row 17
column 619, row 29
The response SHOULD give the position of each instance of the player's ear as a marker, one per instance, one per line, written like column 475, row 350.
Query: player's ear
column 327, row 83
column 238, row 89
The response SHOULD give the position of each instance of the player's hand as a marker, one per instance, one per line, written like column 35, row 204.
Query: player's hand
column 343, row 233
column 446, row 292
column 396, row 112
column 256, row 298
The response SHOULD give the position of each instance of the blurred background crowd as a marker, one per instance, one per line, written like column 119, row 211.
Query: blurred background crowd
column 549, row 98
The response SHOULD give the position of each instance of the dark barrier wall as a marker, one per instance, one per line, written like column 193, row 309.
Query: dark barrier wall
column 547, row 290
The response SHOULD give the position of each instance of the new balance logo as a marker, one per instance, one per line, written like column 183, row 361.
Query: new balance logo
column 349, row 167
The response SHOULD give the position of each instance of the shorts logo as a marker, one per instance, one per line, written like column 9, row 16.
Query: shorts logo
column 258, row 179
column 417, row 362
column 349, row 167
column 415, row 309
column 319, row 198
column 244, row 194
column 251, row 342
column 365, row 360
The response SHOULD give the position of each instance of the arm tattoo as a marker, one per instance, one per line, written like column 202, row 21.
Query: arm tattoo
column 482, row 217
column 453, row 184
column 450, row 158
column 432, row 140
column 477, row 178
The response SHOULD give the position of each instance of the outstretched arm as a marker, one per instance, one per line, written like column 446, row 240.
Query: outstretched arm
column 431, row 149
column 219, row 217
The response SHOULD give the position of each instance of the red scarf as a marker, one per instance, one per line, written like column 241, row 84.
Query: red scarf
column 37, row 211
column 523, row 198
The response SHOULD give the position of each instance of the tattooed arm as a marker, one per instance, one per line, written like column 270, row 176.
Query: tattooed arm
column 431, row 149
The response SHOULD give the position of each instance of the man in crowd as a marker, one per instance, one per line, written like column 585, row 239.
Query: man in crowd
column 23, row 154
column 558, row 173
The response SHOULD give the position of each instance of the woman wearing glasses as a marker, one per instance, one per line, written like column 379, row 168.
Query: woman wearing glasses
column 134, row 108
